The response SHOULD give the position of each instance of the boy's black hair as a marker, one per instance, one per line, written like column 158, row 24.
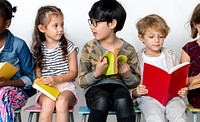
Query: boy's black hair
column 109, row 10
column 6, row 10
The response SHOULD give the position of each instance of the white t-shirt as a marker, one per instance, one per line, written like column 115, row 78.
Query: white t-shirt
column 159, row 61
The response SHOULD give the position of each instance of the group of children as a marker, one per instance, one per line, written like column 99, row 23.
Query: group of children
column 54, row 57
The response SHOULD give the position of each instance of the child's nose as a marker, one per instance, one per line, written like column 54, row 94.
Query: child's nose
column 157, row 39
column 60, row 28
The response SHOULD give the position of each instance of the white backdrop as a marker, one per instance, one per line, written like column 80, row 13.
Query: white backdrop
column 175, row 12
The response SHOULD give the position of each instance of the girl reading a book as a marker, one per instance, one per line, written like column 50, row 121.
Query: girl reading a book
column 152, row 31
column 56, row 61
column 108, row 92
column 14, row 91
column 190, row 52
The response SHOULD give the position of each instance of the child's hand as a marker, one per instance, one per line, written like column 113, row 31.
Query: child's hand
column 140, row 90
column 50, row 80
column 3, row 82
column 101, row 66
column 183, row 92
column 124, row 69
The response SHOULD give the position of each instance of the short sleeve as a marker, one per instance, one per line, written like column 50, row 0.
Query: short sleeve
column 71, row 47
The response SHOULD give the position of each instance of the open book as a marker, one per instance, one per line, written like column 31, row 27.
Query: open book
column 49, row 91
column 7, row 70
column 113, row 59
column 163, row 85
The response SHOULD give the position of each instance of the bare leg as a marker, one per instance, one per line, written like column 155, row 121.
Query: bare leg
column 65, row 100
column 48, row 106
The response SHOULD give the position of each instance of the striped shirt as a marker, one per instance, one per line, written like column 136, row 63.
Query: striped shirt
column 53, row 63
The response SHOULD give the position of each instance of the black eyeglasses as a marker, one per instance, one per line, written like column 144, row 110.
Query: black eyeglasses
column 95, row 21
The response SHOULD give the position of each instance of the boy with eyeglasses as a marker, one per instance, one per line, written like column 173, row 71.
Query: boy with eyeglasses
column 104, row 93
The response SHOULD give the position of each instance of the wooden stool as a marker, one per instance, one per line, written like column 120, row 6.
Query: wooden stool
column 35, row 109
column 84, row 110
column 194, row 111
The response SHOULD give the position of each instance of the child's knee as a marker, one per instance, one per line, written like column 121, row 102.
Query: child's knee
column 47, row 103
column 62, row 104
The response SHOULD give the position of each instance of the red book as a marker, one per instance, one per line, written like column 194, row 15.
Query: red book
column 163, row 85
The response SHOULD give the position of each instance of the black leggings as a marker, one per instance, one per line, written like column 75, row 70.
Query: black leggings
column 194, row 97
column 103, row 98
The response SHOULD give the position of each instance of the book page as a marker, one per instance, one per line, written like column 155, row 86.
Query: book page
column 122, row 58
column 178, row 80
column 1, row 64
column 178, row 66
column 111, row 65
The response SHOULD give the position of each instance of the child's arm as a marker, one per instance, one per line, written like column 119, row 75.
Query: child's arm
column 131, row 72
column 87, row 73
column 69, row 76
column 4, row 82
column 190, row 79
column 87, row 76
column 26, row 69
column 186, row 58
column 38, row 72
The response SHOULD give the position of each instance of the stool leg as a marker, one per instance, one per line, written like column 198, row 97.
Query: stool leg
column 19, row 117
column 30, row 116
column 84, row 118
column 37, row 117
column 71, row 117
column 195, row 117
column 138, row 117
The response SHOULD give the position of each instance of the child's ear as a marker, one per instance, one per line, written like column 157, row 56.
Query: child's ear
column 8, row 23
column 41, row 28
column 141, row 38
column 195, row 25
column 113, row 24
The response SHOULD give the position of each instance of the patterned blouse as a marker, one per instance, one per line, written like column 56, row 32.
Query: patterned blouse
column 193, row 50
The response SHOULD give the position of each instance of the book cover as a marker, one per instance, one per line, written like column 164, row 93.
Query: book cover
column 7, row 70
column 49, row 91
column 113, row 59
column 163, row 85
